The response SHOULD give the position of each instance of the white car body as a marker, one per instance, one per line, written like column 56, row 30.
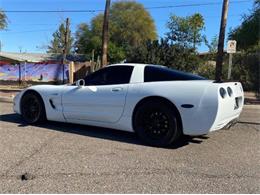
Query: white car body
column 112, row 106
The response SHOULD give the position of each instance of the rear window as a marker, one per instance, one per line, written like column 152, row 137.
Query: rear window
column 154, row 73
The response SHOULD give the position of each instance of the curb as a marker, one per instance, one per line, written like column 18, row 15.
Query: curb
column 6, row 99
column 252, row 106
column 10, row 90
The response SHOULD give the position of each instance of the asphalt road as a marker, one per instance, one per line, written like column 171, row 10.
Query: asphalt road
column 67, row 158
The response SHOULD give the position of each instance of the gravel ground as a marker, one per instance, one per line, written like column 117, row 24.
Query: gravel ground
column 67, row 158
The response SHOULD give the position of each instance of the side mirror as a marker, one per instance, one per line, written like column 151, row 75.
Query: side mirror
column 80, row 82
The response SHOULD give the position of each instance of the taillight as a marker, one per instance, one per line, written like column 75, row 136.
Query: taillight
column 230, row 92
column 222, row 92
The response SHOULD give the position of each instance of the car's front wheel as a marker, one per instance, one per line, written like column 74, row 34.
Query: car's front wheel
column 156, row 123
column 32, row 108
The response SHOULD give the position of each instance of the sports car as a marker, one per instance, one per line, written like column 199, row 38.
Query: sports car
column 158, row 103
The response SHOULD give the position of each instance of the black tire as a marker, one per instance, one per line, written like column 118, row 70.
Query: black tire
column 156, row 123
column 32, row 108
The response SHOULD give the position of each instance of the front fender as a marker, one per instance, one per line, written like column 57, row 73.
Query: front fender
column 48, row 93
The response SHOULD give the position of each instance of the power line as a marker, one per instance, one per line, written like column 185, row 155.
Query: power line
column 194, row 4
column 99, row 10
column 33, row 24
column 211, row 17
column 38, row 24
column 52, row 11
column 75, row 24
column 41, row 30
column 28, row 31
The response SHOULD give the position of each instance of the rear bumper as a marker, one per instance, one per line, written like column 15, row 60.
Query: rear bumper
column 231, row 124
column 225, row 124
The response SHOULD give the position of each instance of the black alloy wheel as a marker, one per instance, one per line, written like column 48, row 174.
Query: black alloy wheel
column 156, row 123
column 32, row 108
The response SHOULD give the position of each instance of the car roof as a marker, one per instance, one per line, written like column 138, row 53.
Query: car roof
column 135, row 64
column 128, row 64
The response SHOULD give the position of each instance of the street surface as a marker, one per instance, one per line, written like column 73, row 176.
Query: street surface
column 68, row 158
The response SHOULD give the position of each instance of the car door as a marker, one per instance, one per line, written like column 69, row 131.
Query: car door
column 102, row 99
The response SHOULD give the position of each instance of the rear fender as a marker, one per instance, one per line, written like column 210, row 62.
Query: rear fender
column 204, row 114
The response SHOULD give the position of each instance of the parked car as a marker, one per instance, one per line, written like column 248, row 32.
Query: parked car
column 158, row 103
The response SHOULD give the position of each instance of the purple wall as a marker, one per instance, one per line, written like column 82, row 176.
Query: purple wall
column 33, row 72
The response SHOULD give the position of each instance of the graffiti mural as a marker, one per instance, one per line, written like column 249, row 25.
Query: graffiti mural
column 9, row 72
column 33, row 72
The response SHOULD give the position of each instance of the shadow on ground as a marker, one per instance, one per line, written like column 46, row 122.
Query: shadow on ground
column 249, row 123
column 97, row 132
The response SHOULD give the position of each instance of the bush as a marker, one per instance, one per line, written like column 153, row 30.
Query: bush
column 246, row 70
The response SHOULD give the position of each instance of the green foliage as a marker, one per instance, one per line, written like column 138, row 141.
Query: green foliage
column 247, row 34
column 196, row 23
column 177, row 50
column 208, row 65
column 212, row 45
column 116, row 53
column 88, row 38
column 129, row 25
column 3, row 20
column 186, row 31
column 165, row 53
column 207, row 70
column 246, row 63
column 82, row 36
column 246, row 69
column 58, row 42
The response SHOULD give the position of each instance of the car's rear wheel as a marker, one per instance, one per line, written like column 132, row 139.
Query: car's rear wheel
column 156, row 123
column 32, row 108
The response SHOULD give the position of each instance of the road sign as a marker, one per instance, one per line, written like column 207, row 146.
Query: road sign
column 231, row 46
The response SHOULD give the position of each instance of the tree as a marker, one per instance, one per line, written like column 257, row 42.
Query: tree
column 246, row 63
column 88, row 37
column 83, row 36
column 212, row 45
column 3, row 20
column 196, row 23
column 129, row 25
column 247, row 34
column 57, row 44
column 186, row 31
column 165, row 53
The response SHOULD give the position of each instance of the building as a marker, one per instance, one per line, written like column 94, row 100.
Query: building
column 36, row 66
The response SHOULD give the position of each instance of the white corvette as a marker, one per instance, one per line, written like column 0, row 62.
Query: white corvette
column 156, row 102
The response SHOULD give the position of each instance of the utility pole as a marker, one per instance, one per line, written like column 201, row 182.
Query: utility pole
column 20, row 49
column 221, row 39
column 105, row 34
column 65, row 48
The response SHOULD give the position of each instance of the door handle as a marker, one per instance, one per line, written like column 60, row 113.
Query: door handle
column 116, row 89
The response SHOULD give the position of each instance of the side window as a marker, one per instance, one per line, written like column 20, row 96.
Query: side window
column 119, row 74
column 110, row 76
column 96, row 78
column 152, row 74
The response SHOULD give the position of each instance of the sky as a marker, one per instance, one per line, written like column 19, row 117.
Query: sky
column 32, row 32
